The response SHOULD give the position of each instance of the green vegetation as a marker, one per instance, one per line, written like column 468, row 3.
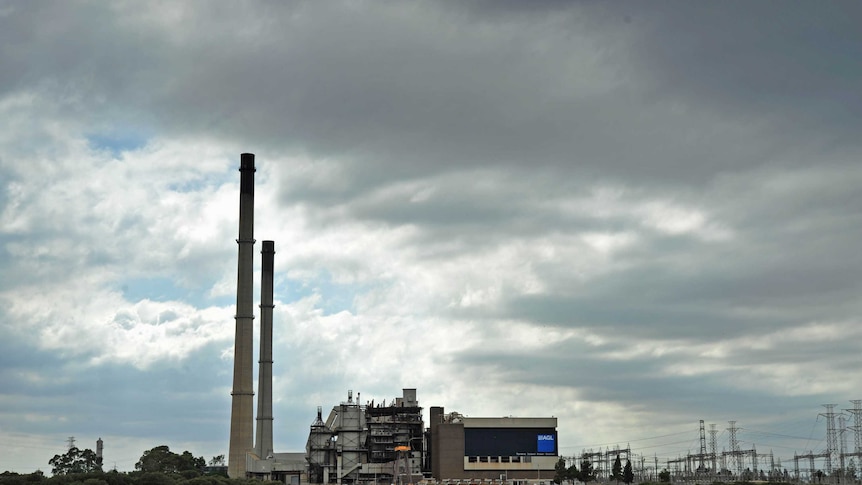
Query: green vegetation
column 617, row 470
column 131, row 478
column 586, row 474
column 75, row 461
column 162, row 460
column 157, row 466
column 664, row 476
column 628, row 474
column 564, row 474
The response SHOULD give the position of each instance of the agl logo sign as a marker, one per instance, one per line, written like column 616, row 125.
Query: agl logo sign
column 545, row 443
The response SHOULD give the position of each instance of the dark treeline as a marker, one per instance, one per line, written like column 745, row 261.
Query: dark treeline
column 158, row 466
column 130, row 478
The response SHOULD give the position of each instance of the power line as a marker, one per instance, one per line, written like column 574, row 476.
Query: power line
column 779, row 435
column 628, row 441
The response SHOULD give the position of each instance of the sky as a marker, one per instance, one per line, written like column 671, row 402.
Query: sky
column 631, row 216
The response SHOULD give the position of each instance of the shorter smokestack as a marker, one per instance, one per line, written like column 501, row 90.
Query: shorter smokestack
column 263, row 438
column 99, row 445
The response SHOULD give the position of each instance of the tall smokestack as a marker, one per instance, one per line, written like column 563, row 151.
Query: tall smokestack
column 99, row 450
column 242, row 408
column 263, row 436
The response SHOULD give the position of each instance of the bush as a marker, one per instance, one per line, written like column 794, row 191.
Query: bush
column 154, row 478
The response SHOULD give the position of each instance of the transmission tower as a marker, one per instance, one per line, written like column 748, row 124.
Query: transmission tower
column 857, row 425
column 70, row 441
column 842, row 441
column 712, row 446
column 734, row 448
column 831, row 436
column 702, row 455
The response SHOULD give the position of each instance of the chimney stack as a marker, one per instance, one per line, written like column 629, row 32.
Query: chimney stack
column 263, row 436
column 241, row 416
column 99, row 450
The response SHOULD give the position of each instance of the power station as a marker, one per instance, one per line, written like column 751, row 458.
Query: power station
column 360, row 443
column 388, row 443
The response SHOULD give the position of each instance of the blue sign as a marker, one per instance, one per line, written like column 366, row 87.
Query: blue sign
column 545, row 443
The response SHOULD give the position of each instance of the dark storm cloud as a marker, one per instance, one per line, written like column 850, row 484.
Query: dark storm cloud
column 798, row 66
column 508, row 96
column 414, row 98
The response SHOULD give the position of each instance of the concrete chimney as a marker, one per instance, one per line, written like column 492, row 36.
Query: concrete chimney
column 242, row 407
column 99, row 450
column 263, row 436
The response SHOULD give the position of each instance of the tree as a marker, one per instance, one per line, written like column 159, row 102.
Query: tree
column 162, row 460
column 617, row 470
column 572, row 473
column 560, row 470
column 190, row 462
column 664, row 476
column 75, row 461
column 217, row 461
column 628, row 474
column 586, row 473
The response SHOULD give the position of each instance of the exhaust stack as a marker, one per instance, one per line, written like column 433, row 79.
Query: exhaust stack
column 242, row 407
column 263, row 436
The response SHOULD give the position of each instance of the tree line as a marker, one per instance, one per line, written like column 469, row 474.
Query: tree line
column 157, row 466
column 585, row 473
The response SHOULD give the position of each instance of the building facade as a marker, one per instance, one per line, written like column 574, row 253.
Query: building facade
column 506, row 448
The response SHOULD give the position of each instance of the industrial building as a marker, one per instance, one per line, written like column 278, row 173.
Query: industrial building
column 361, row 443
column 368, row 443
column 507, row 448
column 380, row 443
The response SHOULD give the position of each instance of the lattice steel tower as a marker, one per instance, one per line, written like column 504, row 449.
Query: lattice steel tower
column 857, row 425
column 713, row 448
column 734, row 448
column 831, row 436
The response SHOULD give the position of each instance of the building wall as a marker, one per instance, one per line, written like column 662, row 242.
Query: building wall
column 448, row 450
column 449, row 459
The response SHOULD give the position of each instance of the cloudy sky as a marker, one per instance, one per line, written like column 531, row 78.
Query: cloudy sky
column 631, row 216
